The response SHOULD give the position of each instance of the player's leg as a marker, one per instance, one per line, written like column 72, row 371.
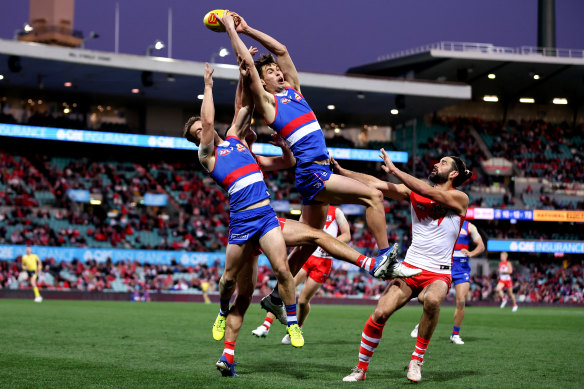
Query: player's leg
column 499, row 289
column 308, row 291
column 512, row 296
column 432, row 298
column 461, row 292
column 246, row 280
column 344, row 190
column 297, row 233
column 274, row 247
column 33, row 283
column 395, row 296
column 313, row 215
column 235, row 256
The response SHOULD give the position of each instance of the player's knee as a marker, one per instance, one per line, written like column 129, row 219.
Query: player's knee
column 303, row 304
column 431, row 303
column 227, row 281
column 375, row 197
column 380, row 315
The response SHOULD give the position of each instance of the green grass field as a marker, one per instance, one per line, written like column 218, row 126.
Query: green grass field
column 91, row 344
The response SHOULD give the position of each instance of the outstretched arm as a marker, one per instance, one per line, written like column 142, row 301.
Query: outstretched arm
column 453, row 199
column 243, row 100
column 264, row 101
column 393, row 191
column 275, row 47
column 285, row 161
column 207, row 145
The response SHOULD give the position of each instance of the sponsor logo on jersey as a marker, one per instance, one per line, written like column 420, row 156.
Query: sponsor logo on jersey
column 285, row 100
column 297, row 97
column 329, row 218
column 240, row 147
column 224, row 152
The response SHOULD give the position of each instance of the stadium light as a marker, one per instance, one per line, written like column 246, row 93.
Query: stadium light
column 135, row 90
column 330, row 107
column 223, row 52
column 1, row 76
column 536, row 76
column 394, row 111
column 560, row 101
column 490, row 98
column 157, row 45
column 92, row 35
column 200, row 97
column 295, row 212
column 68, row 84
column 492, row 76
column 26, row 28
column 527, row 100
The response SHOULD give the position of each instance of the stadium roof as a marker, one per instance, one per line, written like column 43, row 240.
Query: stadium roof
column 109, row 74
column 542, row 74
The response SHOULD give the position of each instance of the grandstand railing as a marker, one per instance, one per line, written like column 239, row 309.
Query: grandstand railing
column 487, row 48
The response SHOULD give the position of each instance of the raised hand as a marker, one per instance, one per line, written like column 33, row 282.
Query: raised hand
column 278, row 141
column 240, row 23
column 389, row 167
column 208, row 77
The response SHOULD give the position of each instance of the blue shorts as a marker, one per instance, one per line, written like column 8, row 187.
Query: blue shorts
column 310, row 179
column 460, row 270
column 251, row 224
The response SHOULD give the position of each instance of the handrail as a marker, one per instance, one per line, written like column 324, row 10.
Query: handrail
column 487, row 48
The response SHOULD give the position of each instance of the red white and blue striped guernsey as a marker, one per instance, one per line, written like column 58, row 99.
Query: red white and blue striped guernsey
column 237, row 171
column 297, row 125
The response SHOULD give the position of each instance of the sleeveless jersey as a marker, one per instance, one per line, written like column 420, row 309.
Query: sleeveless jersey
column 297, row 125
column 462, row 242
column 330, row 227
column 504, row 268
column 435, row 230
column 237, row 171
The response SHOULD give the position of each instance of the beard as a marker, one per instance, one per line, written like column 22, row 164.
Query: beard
column 438, row 178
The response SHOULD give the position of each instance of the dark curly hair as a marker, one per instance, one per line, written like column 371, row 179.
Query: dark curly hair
column 186, row 133
column 463, row 173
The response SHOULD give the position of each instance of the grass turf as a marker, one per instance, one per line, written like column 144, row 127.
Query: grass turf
column 96, row 344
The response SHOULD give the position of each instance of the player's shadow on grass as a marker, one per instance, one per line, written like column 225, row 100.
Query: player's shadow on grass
column 300, row 370
column 433, row 375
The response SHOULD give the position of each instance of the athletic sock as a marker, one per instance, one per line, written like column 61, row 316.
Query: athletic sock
column 455, row 330
column 275, row 296
column 229, row 351
column 370, row 339
column 420, row 350
column 291, row 313
column 268, row 322
column 366, row 263
column 36, row 292
column 224, row 307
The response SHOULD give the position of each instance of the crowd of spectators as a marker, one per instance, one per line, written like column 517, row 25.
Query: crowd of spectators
column 535, row 282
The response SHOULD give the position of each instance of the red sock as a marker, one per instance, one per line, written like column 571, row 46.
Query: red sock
column 365, row 263
column 229, row 351
column 268, row 322
column 370, row 338
column 420, row 350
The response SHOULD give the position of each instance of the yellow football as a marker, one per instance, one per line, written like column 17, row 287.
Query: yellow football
column 211, row 21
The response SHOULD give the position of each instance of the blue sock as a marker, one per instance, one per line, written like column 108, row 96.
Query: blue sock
column 291, row 313
column 455, row 330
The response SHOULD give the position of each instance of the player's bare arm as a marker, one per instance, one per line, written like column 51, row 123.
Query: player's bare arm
column 477, row 240
column 207, row 145
column 344, row 228
column 453, row 199
column 264, row 101
column 275, row 47
column 244, row 112
column 285, row 161
column 392, row 191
